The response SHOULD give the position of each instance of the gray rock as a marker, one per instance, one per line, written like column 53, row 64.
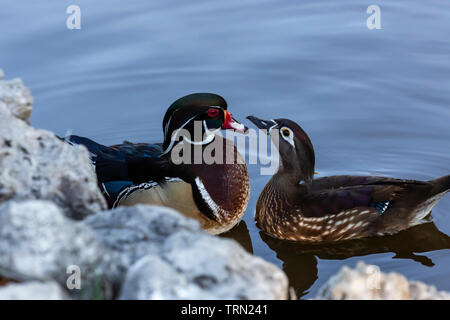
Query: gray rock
column 152, row 278
column 35, row 164
column 33, row 290
column 16, row 97
column 367, row 282
column 37, row 242
column 133, row 232
column 217, row 269
column 227, row 271
column 170, row 255
column 173, row 258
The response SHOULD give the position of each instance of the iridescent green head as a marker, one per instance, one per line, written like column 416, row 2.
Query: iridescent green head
column 208, row 108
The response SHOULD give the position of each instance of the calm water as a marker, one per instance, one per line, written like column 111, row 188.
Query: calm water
column 372, row 101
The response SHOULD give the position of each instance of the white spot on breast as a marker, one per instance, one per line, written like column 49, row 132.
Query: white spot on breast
column 345, row 229
column 358, row 224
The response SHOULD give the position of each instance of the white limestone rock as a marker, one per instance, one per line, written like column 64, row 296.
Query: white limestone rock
column 33, row 290
column 16, row 97
column 367, row 282
column 37, row 242
column 35, row 164
column 173, row 258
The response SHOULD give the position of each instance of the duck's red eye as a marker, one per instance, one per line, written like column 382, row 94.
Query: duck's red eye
column 213, row 112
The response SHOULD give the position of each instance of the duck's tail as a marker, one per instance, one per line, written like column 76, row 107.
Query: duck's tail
column 441, row 184
column 94, row 148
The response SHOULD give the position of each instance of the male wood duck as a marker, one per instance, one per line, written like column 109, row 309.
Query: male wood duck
column 294, row 206
column 215, row 194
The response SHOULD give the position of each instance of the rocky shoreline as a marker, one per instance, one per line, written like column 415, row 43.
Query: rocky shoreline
column 55, row 227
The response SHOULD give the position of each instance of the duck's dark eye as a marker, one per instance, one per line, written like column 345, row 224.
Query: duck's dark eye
column 213, row 112
column 285, row 132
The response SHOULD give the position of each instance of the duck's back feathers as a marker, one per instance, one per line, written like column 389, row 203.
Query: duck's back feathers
column 125, row 164
column 333, row 182
column 367, row 206
column 332, row 195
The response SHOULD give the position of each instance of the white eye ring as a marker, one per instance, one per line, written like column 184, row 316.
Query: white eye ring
column 290, row 137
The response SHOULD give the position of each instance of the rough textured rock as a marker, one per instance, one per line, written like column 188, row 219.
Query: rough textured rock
column 172, row 257
column 35, row 164
column 179, row 260
column 152, row 278
column 366, row 282
column 16, row 97
column 133, row 232
column 38, row 242
column 33, row 290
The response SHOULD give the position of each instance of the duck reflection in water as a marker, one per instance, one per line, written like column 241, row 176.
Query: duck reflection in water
column 240, row 234
column 299, row 260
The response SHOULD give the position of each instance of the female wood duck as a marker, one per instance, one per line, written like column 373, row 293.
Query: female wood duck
column 215, row 194
column 293, row 206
